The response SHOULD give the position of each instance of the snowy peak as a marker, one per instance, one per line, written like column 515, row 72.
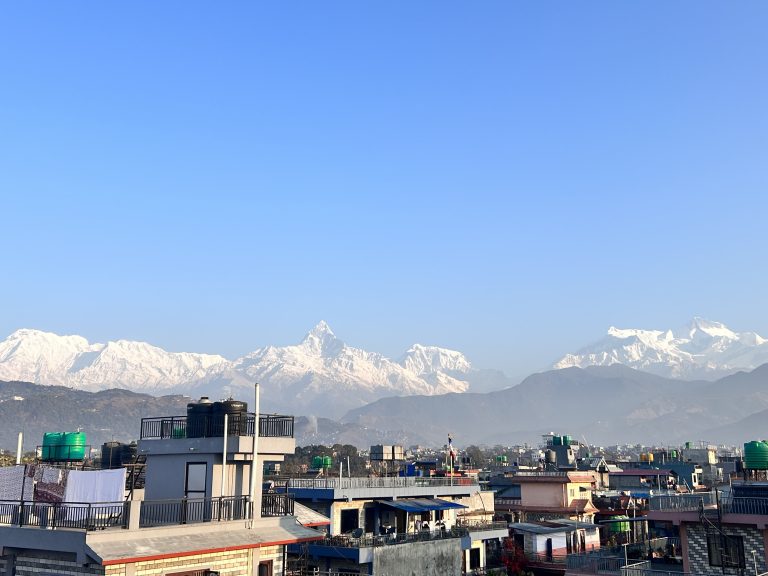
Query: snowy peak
column 701, row 328
column 430, row 359
column 702, row 349
column 322, row 341
column 320, row 374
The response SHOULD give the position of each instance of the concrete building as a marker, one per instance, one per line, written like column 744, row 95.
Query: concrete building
column 548, row 542
column 400, row 525
column 723, row 533
column 532, row 496
column 202, row 511
column 643, row 479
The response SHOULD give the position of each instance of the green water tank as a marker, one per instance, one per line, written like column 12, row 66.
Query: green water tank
column 567, row 440
column 616, row 527
column 756, row 455
column 688, row 445
column 72, row 446
column 317, row 462
column 504, row 459
column 327, row 462
column 51, row 443
column 557, row 441
column 673, row 454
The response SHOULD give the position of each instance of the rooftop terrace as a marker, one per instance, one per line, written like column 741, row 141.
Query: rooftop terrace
column 162, row 427
column 139, row 514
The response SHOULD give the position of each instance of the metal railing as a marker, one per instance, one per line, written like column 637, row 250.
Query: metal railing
column 275, row 504
column 203, row 426
column 85, row 516
column 682, row 502
column 646, row 569
column 383, row 482
column 368, row 541
column 481, row 526
column 102, row 515
column 745, row 505
column 193, row 510
column 539, row 558
column 63, row 452
column 612, row 560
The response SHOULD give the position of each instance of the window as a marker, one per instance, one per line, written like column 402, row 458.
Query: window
column 726, row 551
column 474, row 558
column 349, row 520
column 197, row 473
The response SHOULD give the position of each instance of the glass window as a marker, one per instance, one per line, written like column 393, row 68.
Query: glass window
column 197, row 472
column 726, row 551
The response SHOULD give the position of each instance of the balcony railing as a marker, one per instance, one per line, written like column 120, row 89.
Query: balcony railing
column 682, row 502
column 345, row 541
column 612, row 560
column 384, row 482
column 276, row 505
column 756, row 506
column 707, row 500
column 482, row 526
column 102, row 515
column 203, row 426
column 85, row 516
column 193, row 510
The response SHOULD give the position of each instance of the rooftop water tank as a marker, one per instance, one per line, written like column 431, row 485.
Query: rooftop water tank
column 756, row 455
column 317, row 462
column 237, row 415
column 51, row 443
column 72, row 447
column 129, row 453
column 198, row 418
column 615, row 527
column 327, row 462
column 111, row 455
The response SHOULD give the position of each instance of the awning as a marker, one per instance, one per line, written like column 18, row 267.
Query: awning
column 447, row 504
column 421, row 504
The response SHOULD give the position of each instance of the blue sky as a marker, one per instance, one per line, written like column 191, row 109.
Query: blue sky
column 503, row 178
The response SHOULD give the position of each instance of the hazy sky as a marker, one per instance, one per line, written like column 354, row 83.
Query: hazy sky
column 503, row 178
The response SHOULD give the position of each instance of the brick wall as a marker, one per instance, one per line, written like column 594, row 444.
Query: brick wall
column 27, row 566
column 698, row 555
column 233, row 563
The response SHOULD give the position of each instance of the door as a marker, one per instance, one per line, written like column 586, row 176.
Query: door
column 265, row 568
column 549, row 549
column 196, row 508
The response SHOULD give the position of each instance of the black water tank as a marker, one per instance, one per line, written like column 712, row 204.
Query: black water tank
column 111, row 454
column 237, row 419
column 128, row 453
column 199, row 418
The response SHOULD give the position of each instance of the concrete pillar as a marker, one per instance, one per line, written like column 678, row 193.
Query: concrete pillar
column 684, row 546
column 134, row 514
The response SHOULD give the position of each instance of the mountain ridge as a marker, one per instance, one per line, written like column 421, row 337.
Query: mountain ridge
column 701, row 350
column 319, row 375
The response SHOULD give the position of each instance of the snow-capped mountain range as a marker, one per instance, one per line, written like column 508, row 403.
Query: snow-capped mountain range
column 320, row 375
column 703, row 349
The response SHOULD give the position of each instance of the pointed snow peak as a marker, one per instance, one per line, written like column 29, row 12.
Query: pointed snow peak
column 322, row 341
column 710, row 328
column 321, row 329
